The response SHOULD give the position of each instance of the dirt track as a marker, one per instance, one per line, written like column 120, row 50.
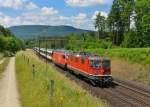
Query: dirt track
column 8, row 89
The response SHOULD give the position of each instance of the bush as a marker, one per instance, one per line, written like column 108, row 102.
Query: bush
column 130, row 40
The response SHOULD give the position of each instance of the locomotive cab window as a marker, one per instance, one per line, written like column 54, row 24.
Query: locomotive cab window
column 63, row 56
column 95, row 63
column 77, row 60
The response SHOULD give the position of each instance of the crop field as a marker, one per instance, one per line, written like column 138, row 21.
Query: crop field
column 35, row 89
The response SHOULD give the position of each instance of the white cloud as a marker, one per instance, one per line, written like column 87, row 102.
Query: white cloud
column 86, row 3
column 15, row 4
column 5, row 20
column 102, row 13
column 47, row 16
column 48, row 11
column 80, row 19
column 31, row 6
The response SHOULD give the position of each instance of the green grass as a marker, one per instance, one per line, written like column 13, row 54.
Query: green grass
column 34, row 91
column 1, row 56
column 135, row 55
column 4, row 65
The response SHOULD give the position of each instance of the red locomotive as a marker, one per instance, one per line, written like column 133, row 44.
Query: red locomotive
column 93, row 67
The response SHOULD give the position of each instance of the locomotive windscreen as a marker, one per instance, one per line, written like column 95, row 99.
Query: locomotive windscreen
column 98, row 63
column 95, row 63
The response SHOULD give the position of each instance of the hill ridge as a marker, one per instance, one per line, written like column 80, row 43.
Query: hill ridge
column 34, row 31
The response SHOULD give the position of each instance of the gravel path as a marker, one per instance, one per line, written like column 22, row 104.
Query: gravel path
column 8, row 89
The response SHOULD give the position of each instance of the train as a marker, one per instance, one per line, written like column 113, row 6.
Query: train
column 92, row 67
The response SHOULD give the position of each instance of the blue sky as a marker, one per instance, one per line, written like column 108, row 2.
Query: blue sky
column 77, row 13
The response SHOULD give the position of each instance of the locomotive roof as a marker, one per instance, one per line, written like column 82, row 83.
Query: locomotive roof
column 89, row 55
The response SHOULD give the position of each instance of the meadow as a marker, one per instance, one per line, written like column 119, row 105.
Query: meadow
column 35, row 89
column 134, row 55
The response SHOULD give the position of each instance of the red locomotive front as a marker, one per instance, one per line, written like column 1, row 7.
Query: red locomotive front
column 95, row 68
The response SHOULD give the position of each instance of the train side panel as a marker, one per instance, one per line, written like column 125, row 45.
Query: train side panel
column 59, row 59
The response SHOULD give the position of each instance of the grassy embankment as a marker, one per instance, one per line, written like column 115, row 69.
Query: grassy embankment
column 1, row 56
column 129, row 63
column 4, row 65
column 34, row 91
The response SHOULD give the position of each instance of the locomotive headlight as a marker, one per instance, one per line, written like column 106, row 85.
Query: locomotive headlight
column 67, row 57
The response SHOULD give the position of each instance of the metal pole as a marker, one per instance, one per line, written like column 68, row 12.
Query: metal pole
column 33, row 70
column 51, row 89
column 46, row 55
column 39, row 47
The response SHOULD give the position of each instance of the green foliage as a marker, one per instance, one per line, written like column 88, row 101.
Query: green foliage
column 100, row 23
column 130, row 40
column 8, row 42
column 88, row 41
column 143, row 21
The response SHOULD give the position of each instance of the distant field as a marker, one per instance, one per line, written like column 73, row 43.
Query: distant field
column 34, row 91
column 137, row 55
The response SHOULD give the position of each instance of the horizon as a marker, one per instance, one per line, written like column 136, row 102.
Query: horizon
column 75, row 13
column 50, row 26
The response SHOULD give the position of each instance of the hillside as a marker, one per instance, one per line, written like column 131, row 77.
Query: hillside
column 33, row 31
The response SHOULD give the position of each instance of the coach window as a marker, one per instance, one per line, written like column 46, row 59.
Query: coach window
column 82, row 61
column 71, row 58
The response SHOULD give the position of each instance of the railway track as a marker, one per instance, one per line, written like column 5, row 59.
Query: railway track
column 119, row 94
column 141, row 89
column 137, row 92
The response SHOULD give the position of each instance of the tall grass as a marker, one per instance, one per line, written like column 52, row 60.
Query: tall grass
column 1, row 56
column 4, row 65
column 35, row 90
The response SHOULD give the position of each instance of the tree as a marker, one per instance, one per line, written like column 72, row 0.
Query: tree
column 130, row 40
column 2, row 43
column 119, row 19
column 100, row 23
column 8, row 42
column 143, row 22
